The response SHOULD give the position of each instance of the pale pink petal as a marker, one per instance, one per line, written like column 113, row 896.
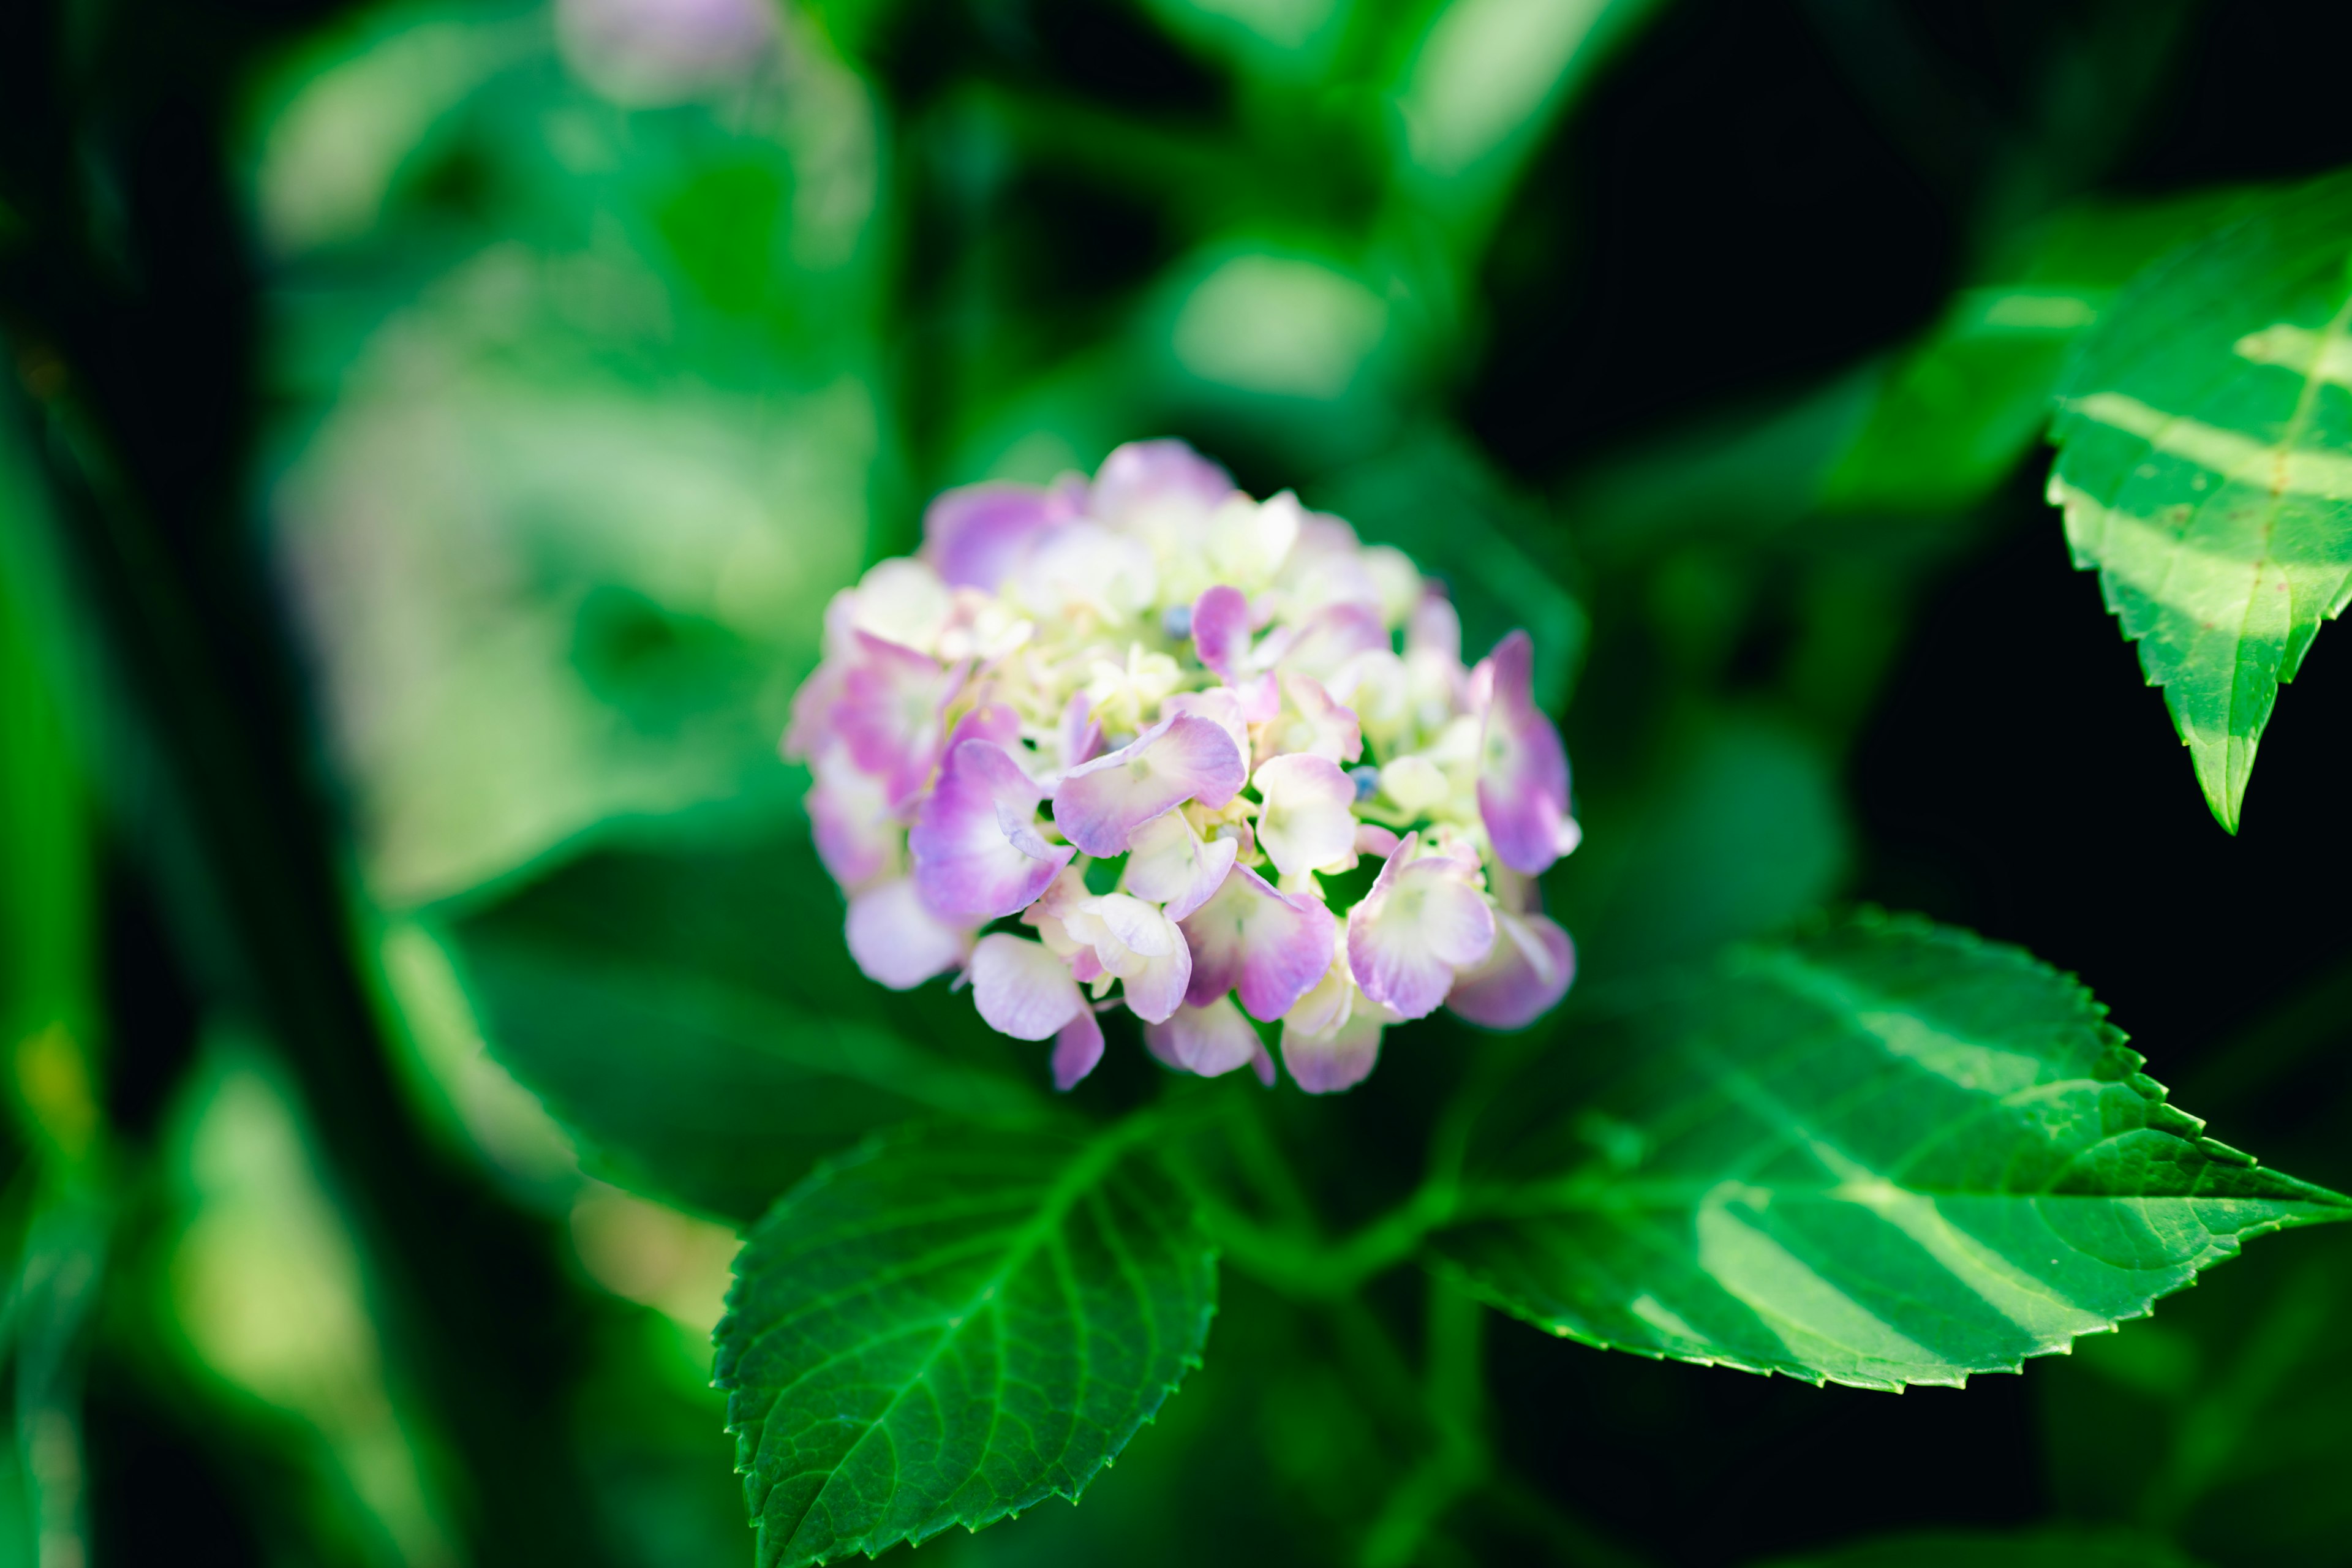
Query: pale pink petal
column 811, row 732
column 1262, row 1065
column 1373, row 839
column 1022, row 989
column 1219, row 704
column 898, row 941
column 1306, row 821
column 1210, row 1041
column 976, row 535
column 1182, row 758
column 1325, row 1064
column 1309, row 720
column 1424, row 919
column 1077, row 1048
column 989, row 722
column 1133, row 940
column 1260, row 698
column 1147, row 473
column 1524, row 977
column 976, row 849
column 1522, row 766
column 1080, row 734
column 889, row 712
column 1221, row 631
column 1169, row 863
column 1273, row 945
column 1331, row 637
column 1435, row 628
column 857, row 838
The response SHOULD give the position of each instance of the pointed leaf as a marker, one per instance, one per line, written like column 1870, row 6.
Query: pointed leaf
column 1885, row 1154
column 2205, row 466
column 946, row 1328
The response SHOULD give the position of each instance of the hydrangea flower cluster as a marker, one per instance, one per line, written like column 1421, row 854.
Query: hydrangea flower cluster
column 1154, row 726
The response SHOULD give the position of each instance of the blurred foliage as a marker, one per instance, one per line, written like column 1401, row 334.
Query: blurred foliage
column 594, row 345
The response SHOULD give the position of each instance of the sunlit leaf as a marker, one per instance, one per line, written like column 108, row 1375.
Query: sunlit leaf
column 1884, row 1154
column 2205, row 466
column 948, row 1328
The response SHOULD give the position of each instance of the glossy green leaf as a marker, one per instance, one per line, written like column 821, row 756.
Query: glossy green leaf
column 2205, row 467
column 1884, row 1154
column 947, row 1327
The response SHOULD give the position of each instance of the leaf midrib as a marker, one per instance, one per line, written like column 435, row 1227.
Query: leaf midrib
column 1091, row 1164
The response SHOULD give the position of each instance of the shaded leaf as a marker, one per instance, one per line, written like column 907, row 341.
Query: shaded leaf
column 704, row 1092
column 947, row 1327
column 1884, row 1154
column 2060, row 1548
column 2205, row 467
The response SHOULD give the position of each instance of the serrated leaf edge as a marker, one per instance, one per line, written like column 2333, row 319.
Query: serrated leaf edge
column 1114, row 1144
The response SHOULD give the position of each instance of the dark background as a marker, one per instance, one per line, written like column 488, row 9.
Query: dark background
column 1752, row 198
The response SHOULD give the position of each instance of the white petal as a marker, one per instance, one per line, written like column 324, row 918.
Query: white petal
column 898, row 941
column 1308, row 821
column 1021, row 988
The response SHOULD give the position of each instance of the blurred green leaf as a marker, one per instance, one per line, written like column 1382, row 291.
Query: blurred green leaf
column 695, row 1017
column 2231, row 1436
column 948, row 1328
column 2205, row 467
column 1885, row 1154
column 1435, row 497
column 700, row 1091
column 1958, row 409
column 2060, row 1548
column 1737, row 830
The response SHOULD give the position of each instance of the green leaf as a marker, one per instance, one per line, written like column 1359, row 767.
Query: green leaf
column 1884, row 1154
column 2205, row 467
column 946, row 1326
column 703, row 1092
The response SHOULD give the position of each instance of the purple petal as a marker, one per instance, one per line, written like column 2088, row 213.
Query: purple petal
column 1522, row 766
column 1169, row 863
column 1080, row 736
column 1219, row 705
column 1422, row 920
column 889, row 712
column 1221, row 631
column 1274, row 945
column 1522, row 979
column 1210, row 1041
column 976, row 849
column 1021, row 988
column 898, row 941
column 976, row 535
column 1325, row 1064
column 1182, row 758
column 989, row 722
column 1144, row 473
column 1077, row 1048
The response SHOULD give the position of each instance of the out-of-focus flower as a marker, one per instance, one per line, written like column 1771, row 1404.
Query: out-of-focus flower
column 1229, row 702
column 647, row 52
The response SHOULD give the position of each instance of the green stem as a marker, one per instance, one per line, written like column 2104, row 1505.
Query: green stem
column 1454, row 1391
